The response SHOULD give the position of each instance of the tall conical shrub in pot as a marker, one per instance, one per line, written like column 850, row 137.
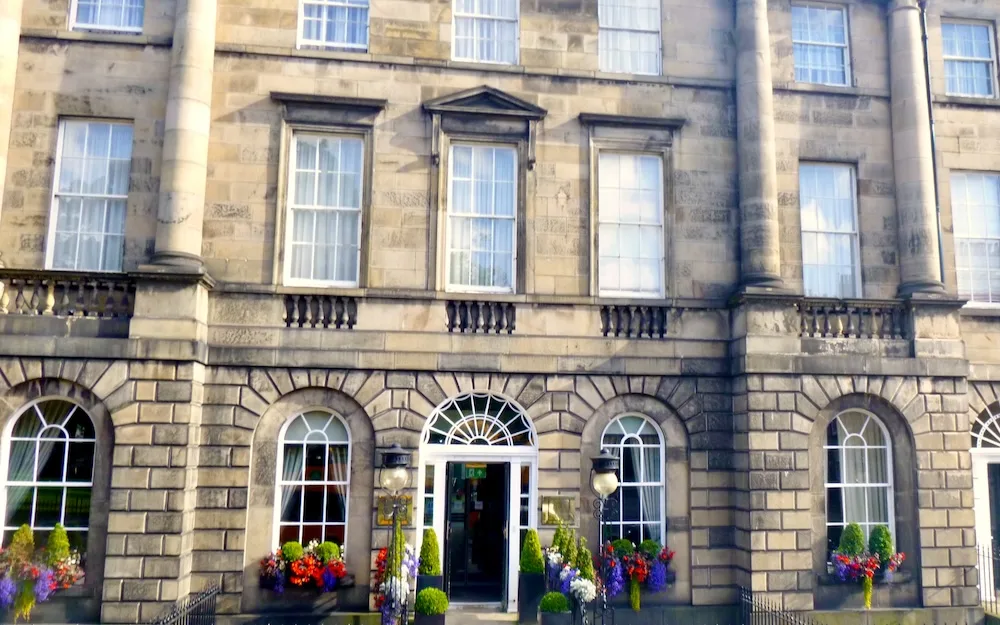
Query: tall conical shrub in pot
column 429, row 569
column 531, row 579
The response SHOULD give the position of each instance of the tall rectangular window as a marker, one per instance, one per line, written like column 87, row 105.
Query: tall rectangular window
column 819, row 40
column 486, row 31
column 324, row 222
column 829, row 230
column 969, row 60
column 120, row 15
column 629, row 36
column 975, row 210
column 630, row 225
column 482, row 216
column 338, row 23
column 87, row 230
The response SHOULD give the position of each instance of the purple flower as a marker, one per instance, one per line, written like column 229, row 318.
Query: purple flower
column 657, row 577
column 44, row 585
column 329, row 580
column 8, row 590
column 615, row 582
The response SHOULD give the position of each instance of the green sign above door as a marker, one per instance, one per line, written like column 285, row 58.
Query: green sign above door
column 475, row 471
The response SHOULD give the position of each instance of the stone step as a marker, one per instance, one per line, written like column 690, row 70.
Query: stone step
column 470, row 615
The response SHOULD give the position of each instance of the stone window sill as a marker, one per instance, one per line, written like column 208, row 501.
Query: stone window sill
column 966, row 101
column 980, row 310
column 97, row 37
column 800, row 87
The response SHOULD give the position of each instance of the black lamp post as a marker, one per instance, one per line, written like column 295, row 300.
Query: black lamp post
column 394, row 478
column 604, row 482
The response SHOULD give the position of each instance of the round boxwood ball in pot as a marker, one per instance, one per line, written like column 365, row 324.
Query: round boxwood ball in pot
column 430, row 606
column 555, row 609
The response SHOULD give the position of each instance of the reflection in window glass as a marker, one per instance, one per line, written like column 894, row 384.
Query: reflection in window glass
column 819, row 41
column 829, row 230
column 968, row 58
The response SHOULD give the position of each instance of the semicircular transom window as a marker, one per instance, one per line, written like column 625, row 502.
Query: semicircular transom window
column 986, row 428
column 50, row 471
column 315, row 461
column 480, row 419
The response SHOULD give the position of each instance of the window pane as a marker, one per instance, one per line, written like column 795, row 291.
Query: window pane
column 976, row 216
column 819, row 43
column 335, row 23
column 968, row 56
column 19, row 504
column 48, row 507
column 336, row 504
column 77, row 507
column 829, row 233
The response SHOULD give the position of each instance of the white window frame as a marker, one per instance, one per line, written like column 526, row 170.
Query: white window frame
column 991, row 31
column 50, row 240
column 972, row 303
column 845, row 47
column 455, row 14
column 842, row 486
column 74, row 24
column 451, row 287
column 5, row 450
column 302, row 42
column 855, row 234
column 660, row 157
column 279, row 482
column 659, row 40
column 290, row 206
column 620, row 523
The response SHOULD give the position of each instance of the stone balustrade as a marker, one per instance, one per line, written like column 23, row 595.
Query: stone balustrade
column 624, row 321
column 481, row 316
column 853, row 319
column 320, row 311
column 66, row 294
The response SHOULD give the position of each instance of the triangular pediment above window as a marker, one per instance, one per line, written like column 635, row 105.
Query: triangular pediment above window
column 486, row 101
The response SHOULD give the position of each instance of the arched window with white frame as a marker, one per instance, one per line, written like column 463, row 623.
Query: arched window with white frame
column 48, row 463
column 314, row 461
column 639, row 515
column 859, row 486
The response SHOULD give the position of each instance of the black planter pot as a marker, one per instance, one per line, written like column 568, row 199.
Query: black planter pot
column 430, row 581
column 428, row 619
column 557, row 618
column 530, row 588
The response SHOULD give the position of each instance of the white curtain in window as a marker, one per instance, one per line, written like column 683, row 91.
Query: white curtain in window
column 859, row 476
column 629, row 36
column 975, row 205
column 819, row 39
column 326, row 209
column 829, row 230
column 110, row 14
column 638, row 443
column 335, row 23
column 482, row 217
column 486, row 30
column 630, row 228
column 91, row 196
column 968, row 58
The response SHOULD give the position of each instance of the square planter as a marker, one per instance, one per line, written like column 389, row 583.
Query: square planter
column 428, row 619
column 530, row 588
column 557, row 618
column 430, row 581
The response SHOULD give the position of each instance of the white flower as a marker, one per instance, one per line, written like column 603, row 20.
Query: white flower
column 567, row 571
column 554, row 558
column 583, row 590
column 395, row 588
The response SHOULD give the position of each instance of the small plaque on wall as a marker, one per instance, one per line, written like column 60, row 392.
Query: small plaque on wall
column 384, row 514
column 558, row 509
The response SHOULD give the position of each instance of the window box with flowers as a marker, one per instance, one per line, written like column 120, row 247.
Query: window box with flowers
column 859, row 577
column 30, row 577
column 313, row 577
column 639, row 575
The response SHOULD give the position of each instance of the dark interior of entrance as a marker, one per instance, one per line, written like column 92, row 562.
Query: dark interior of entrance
column 476, row 531
column 993, row 471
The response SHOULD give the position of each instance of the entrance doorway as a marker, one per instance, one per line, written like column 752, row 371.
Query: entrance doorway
column 476, row 531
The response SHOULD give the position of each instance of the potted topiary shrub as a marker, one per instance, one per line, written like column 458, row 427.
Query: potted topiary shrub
column 880, row 544
column 429, row 570
column 430, row 607
column 555, row 609
column 531, row 580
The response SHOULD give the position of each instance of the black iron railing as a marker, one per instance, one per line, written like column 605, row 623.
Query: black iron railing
column 989, row 585
column 755, row 610
column 192, row 610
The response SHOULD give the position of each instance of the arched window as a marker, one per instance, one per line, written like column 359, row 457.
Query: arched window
column 639, row 444
column 986, row 429
column 314, row 463
column 858, row 475
column 49, row 463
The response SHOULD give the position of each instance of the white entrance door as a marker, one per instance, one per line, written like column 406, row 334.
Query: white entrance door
column 984, row 504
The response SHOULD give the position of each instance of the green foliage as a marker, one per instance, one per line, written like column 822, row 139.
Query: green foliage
column 633, row 594
column 431, row 601
column 584, row 560
column 880, row 543
column 557, row 538
column 531, row 554
column 430, row 559
column 327, row 551
column 623, row 547
column 57, row 548
column 395, row 556
column 554, row 603
column 292, row 550
column 22, row 545
column 569, row 547
column 852, row 541
column 24, row 602
column 650, row 548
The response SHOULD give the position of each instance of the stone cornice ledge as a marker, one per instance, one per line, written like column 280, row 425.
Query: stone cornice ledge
column 372, row 104
column 630, row 121
column 173, row 274
column 854, row 364
column 103, row 348
column 97, row 37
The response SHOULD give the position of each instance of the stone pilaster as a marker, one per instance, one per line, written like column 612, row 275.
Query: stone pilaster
column 919, row 253
column 10, row 37
column 181, row 210
column 758, row 171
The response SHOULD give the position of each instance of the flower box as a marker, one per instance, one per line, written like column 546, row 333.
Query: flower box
column 903, row 591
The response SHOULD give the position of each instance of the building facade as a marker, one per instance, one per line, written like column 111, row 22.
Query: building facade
column 746, row 245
